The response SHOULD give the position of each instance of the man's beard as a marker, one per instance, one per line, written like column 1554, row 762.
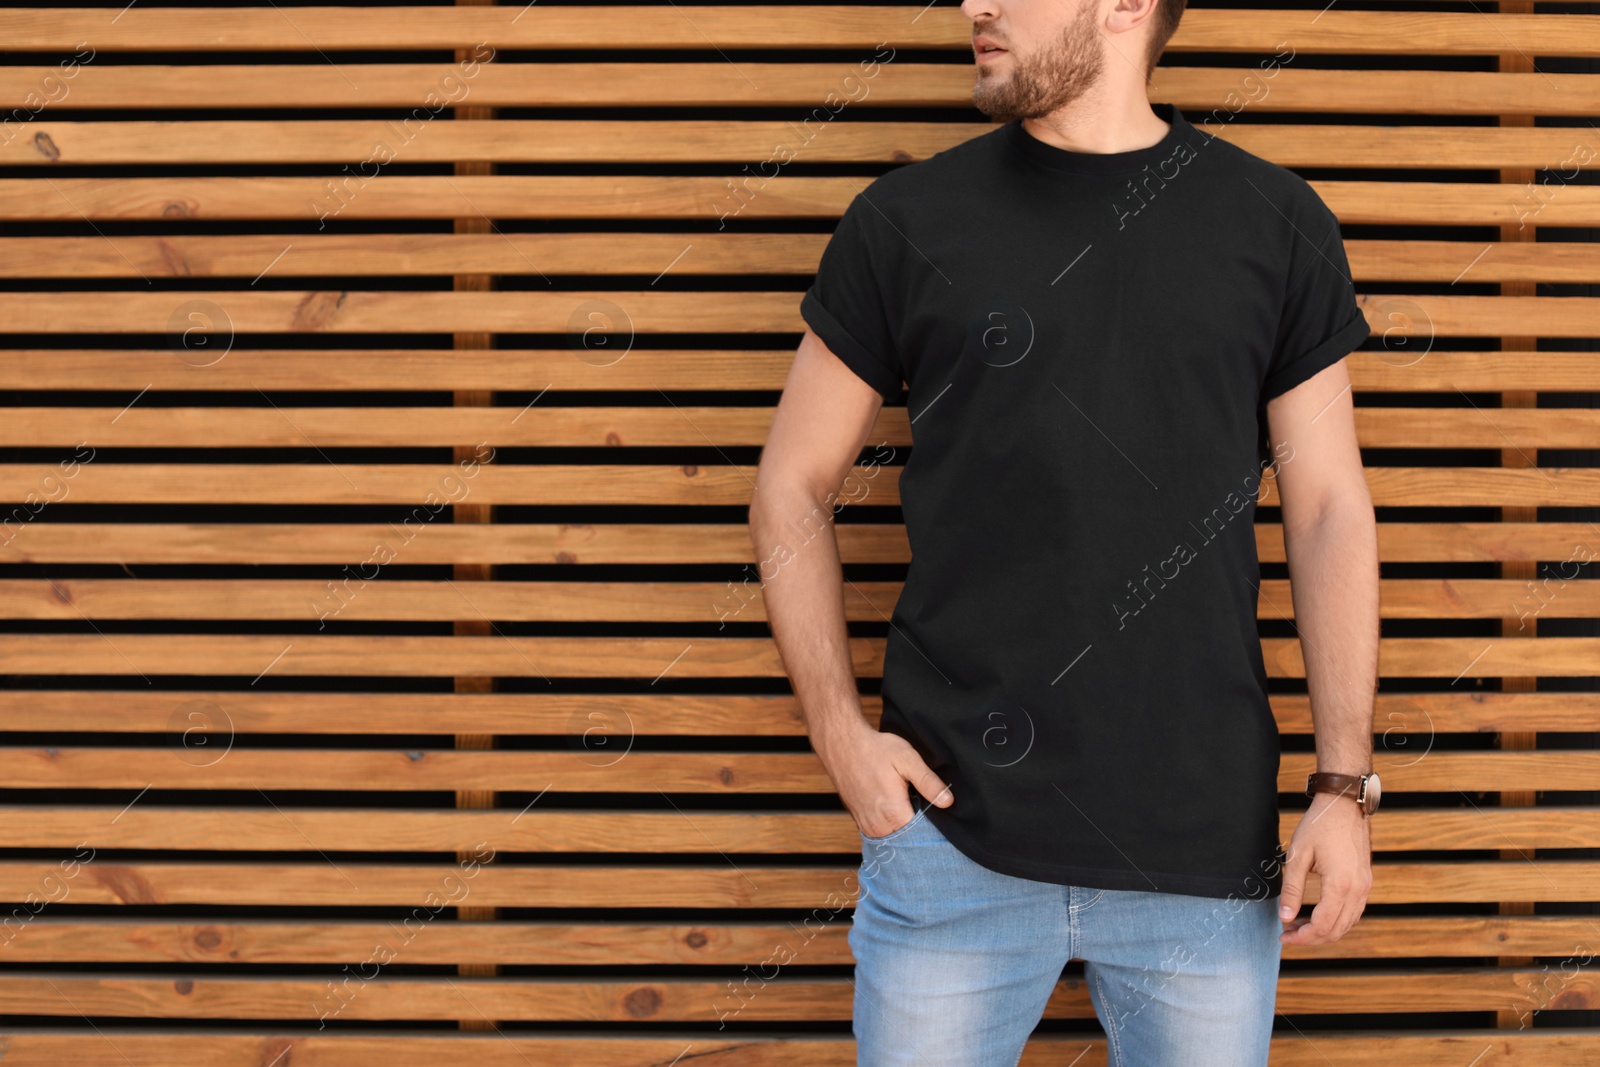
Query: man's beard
column 1046, row 80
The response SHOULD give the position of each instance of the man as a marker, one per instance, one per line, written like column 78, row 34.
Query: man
column 1112, row 327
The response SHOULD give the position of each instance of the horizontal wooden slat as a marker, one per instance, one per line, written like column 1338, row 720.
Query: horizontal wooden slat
column 545, row 713
column 144, row 825
column 709, row 944
column 685, row 885
column 533, row 370
column 380, row 997
column 509, row 942
column 1467, row 487
column 413, row 254
column 1555, row 593
column 280, row 141
column 286, row 426
column 598, row 254
column 434, row 28
column 313, row 201
column 1453, row 262
column 356, row 595
column 275, row 427
column 157, row 1046
column 1400, row 368
column 1405, row 720
column 1201, row 92
column 1321, row 29
column 599, row 759
column 301, row 655
column 786, row 26
column 1529, row 428
column 532, row 543
column 717, row 943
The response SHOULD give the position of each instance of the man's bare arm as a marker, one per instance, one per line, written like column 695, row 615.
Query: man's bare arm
column 1331, row 538
column 821, row 423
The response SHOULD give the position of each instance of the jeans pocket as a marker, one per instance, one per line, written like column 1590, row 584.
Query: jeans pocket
column 892, row 834
column 918, row 815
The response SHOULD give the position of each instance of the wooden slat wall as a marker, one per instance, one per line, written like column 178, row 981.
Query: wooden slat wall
column 386, row 675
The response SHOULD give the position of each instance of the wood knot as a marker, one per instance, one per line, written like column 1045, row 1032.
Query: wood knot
column 642, row 1003
column 45, row 145
column 184, row 986
column 696, row 939
column 207, row 938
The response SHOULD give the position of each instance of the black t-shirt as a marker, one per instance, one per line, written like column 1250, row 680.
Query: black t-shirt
column 1088, row 343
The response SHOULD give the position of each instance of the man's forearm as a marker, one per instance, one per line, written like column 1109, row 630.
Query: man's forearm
column 802, row 587
column 1333, row 567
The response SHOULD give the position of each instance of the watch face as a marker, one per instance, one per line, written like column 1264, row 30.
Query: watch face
column 1374, row 793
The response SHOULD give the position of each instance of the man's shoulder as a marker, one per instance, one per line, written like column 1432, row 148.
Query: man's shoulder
column 1292, row 195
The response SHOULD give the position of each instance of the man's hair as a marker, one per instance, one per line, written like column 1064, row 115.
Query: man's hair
column 1163, row 24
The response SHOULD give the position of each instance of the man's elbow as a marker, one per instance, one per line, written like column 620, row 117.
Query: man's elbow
column 1343, row 505
column 768, row 500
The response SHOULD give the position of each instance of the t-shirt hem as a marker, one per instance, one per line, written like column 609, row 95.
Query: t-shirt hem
column 849, row 351
column 1105, row 878
column 1319, row 358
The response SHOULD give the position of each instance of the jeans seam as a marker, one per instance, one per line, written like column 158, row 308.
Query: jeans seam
column 1114, row 1058
column 1072, row 927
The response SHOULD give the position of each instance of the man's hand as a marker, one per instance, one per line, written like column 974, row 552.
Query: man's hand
column 1334, row 840
column 870, row 770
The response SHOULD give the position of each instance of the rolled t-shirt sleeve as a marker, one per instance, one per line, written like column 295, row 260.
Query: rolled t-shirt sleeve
column 1321, row 321
column 848, row 306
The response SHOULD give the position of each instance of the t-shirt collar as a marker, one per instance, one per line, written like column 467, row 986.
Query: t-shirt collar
column 1104, row 163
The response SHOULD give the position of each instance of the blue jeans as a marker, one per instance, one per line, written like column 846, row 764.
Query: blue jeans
column 955, row 962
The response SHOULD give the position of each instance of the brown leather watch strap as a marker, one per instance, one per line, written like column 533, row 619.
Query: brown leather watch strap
column 1329, row 782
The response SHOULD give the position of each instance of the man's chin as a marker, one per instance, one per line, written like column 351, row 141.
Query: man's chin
column 998, row 112
column 989, row 96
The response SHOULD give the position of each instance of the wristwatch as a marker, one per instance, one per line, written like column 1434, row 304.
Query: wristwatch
column 1364, row 789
